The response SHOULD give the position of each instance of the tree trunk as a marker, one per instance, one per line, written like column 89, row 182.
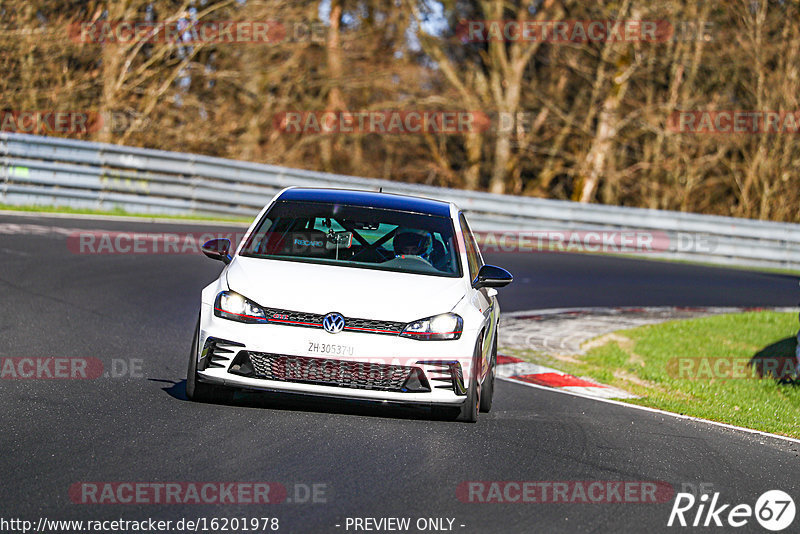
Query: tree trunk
column 335, row 99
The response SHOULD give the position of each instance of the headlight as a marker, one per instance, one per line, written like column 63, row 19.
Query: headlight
column 233, row 306
column 444, row 326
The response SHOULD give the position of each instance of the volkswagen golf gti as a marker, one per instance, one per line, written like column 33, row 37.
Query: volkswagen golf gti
column 351, row 294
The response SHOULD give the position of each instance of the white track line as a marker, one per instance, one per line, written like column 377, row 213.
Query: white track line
column 576, row 392
column 652, row 410
column 699, row 309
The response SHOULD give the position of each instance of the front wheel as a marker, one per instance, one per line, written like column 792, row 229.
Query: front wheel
column 469, row 410
column 487, row 391
column 196, row 390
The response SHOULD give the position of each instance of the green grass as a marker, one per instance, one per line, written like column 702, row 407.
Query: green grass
column 119, row 212
column 644, row 361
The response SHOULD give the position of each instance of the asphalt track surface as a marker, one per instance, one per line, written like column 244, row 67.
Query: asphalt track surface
column 374, row 461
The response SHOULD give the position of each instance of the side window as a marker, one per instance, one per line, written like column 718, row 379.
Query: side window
column 473, row 258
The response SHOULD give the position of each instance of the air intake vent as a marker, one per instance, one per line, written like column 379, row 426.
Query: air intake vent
column 217, row 353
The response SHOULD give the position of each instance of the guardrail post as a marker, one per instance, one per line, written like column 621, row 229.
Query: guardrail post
column 4, row 152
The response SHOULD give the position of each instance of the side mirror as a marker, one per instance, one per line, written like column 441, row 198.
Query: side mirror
column 218, row 249
column 491, row 276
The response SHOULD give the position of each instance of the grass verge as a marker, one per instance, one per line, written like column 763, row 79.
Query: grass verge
column 704, row 367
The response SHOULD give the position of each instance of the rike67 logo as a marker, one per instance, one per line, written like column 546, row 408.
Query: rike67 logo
column 774, row 510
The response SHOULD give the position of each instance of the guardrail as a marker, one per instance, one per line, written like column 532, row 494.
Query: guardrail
column 52, row 171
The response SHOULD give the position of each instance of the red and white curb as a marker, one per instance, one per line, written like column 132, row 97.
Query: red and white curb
column 517, row 370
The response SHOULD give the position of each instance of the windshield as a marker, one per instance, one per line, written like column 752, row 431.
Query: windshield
column 354, row 236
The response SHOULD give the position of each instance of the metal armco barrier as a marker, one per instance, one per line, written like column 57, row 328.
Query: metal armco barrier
column 52, row 171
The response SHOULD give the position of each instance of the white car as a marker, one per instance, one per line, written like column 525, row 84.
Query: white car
column 351, row 294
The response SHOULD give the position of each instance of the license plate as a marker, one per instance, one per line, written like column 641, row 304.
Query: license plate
column 329, row 349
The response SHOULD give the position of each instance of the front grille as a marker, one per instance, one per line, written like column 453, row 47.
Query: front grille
column 326, row 372
column 314, row 320
column 294, row 318
column 376, row 327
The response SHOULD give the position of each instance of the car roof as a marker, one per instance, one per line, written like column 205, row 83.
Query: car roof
column 370, row 199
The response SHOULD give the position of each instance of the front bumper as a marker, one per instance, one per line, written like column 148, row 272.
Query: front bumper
column 353, row 365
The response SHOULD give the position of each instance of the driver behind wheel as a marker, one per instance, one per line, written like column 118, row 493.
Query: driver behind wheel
column 412, row 242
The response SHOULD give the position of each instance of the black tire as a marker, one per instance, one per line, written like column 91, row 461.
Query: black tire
column 469, row 410
column 195, row 389
column 487, row 390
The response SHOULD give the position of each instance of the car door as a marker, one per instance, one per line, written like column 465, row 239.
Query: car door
column 483, row 299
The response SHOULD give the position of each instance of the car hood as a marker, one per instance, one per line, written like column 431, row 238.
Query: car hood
column 353, row 292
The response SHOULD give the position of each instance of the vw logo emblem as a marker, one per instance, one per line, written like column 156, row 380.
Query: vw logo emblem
column 333, row 323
